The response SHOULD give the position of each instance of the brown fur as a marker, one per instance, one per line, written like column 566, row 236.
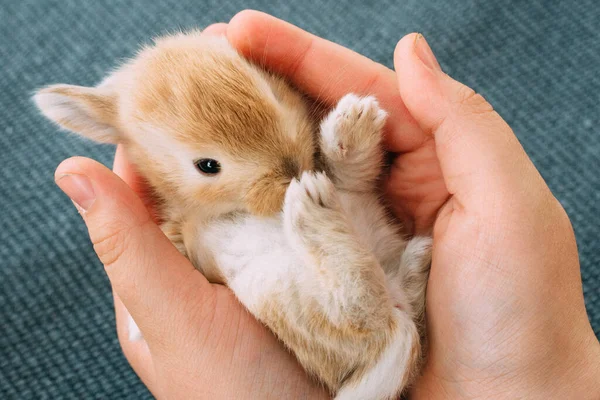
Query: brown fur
column 335, row 355
column 199, row 93
column 209, row 98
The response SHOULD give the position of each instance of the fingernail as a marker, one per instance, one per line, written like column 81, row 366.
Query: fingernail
column 79, row 189
column 425, row 54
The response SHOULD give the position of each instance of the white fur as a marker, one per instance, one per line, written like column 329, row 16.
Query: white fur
column 133, row 331
column 76, row 115
column 385, row 380
column 257, row 258
column 253, row 254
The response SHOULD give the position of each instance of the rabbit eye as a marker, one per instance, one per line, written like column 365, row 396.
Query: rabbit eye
column 208, row 166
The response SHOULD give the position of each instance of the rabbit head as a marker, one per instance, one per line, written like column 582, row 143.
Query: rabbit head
column 207, row 129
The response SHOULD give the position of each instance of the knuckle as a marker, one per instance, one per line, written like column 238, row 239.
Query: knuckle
column 115, row 241
column 371, row 83
column 110, row 247
column 299, row 63
column 470, row 102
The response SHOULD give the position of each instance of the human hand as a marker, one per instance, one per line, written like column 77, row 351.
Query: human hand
column 199, row 342
column 505, row 310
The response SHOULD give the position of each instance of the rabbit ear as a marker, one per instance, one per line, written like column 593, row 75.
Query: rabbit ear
column 88, row 111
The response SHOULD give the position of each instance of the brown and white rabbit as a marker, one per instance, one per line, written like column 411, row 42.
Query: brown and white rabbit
column 236, row 159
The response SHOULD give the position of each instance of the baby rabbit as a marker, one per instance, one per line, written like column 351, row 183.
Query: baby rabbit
column 261, row 197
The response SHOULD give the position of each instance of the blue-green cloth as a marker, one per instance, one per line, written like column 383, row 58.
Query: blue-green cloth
column 536, row 61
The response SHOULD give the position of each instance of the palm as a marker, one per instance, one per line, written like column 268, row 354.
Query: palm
column 243, row 348
column 416, row 187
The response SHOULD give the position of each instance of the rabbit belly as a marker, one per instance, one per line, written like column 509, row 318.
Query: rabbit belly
column 253, row 256
column 283, row 290
column 257, row 261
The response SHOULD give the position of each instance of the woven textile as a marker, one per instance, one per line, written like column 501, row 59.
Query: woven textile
column 536, row 61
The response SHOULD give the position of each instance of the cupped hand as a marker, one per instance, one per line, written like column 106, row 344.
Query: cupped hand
column 505, row 309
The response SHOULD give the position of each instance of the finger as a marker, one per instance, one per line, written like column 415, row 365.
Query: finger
column 477, row 150
column 323, row 70
column 137, row 351
column 146, row 271
column 216, row 29
column 127, row 172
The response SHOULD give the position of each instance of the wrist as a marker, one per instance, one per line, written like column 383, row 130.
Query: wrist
column 576, row 376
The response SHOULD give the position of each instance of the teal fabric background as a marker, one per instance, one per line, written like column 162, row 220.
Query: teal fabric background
column 536, row 61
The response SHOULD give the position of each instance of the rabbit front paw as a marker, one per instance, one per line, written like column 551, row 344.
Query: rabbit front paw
column 310, row 204
column 354, row 126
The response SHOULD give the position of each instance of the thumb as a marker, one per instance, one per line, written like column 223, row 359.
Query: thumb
column 477, row 150
column 146, row 271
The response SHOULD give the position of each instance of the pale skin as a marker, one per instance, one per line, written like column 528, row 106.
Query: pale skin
column 505, row 309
